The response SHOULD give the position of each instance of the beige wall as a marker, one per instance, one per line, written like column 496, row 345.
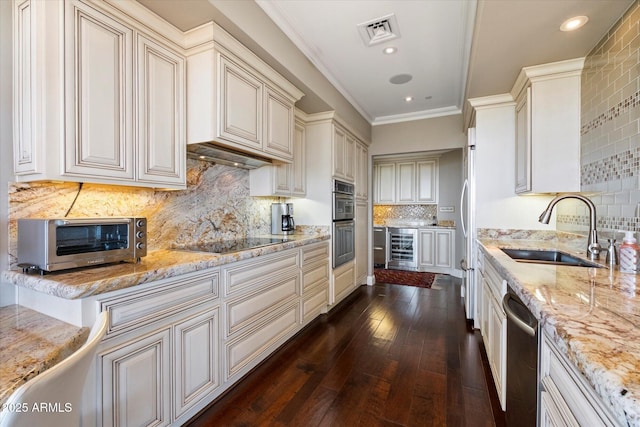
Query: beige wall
column 419, row 135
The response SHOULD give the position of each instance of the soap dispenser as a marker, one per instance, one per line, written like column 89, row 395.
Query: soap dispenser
column 628, row 253
column 612, row 254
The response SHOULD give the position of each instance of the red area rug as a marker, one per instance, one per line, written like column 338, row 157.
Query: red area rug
column 399, row 277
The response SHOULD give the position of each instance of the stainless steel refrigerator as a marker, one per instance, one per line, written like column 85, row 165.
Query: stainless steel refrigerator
column 467, row 219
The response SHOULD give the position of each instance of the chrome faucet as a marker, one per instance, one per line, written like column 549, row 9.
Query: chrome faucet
column 593, row 247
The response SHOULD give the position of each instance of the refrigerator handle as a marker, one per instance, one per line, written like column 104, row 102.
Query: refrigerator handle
column 465, row 188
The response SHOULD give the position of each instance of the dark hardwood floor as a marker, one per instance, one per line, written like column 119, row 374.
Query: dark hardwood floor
column 388, row 356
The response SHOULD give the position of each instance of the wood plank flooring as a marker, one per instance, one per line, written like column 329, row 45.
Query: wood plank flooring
column 390, row 355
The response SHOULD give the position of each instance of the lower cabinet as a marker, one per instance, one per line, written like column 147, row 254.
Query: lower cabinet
column 493, row 323
column 174, row 345
column 566, row 399
column 436, row 250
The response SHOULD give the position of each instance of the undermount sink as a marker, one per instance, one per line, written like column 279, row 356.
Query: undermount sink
column 548, row 257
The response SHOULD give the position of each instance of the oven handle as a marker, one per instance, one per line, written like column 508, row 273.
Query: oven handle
column 97, row 221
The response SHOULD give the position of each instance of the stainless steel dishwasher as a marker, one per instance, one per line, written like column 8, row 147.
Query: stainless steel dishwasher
column 522, row 362
column 380, row 247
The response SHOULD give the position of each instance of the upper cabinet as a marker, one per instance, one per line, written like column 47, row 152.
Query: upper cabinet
column 99, row 97
column 236, row 99
column 548, row 128
column 344, row 154
column 362, row 171
column 405, row 181
column 284, row 179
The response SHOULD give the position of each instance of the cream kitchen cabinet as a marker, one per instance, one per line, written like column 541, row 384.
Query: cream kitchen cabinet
column 494, row 326
column 384, row 178
column 284, row 179
column 316, row 272
column 361, row 247
column 237, row 100
column 436, row 250
column 406, row 181
column 548, row 127
column 100, row 97
column 160, row 360
column 362, row 171
column 343, row 154
column 566, row 399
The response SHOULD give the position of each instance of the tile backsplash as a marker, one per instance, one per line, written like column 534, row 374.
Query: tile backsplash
column 610, row 132
column 216, row 205
column 382, row 213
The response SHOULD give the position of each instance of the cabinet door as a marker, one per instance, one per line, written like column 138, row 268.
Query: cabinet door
column 197, row 359
column 240, row 109
column 444, row 249
column 137, row 382
column 497, row 339
column 427, row 181
column 349, row 158
column 362, row 172
column 523, row 142
column 99, row 94
column 339, row 161
column 279, row 123
column 406, row 182
column 161, row 137
column 426, row 249
column 385, row 182
column 299, row 165
column 24, row 141
column 362, row 242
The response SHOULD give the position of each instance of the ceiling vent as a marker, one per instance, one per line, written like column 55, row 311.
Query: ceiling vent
column 379, row 30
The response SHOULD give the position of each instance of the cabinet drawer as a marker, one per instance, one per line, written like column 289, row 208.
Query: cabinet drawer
column 314, row 253
column 494, row 279
column 244, row 275
column 247, row 350
column 254, row 306
column 314, row 303
column 135, row 309
column 315, row 274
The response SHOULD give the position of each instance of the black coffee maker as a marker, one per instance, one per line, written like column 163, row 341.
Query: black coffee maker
column 282, row 218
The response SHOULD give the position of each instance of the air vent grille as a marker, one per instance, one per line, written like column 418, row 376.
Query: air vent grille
column 379, row 30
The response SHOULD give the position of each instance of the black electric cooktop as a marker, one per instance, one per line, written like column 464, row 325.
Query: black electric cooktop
column 236, row 245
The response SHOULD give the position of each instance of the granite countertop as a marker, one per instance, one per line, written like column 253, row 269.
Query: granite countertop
column 157, row 265
column 31, row 343
column 592, row 315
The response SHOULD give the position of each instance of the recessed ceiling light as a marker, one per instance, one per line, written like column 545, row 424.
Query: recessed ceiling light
column 408, row 98
column 400, row 79
column 573, row 23
column 389, row 50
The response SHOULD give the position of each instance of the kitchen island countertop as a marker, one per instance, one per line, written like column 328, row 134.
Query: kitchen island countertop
column 31, row 343
column 157, row 265
column 591, row 314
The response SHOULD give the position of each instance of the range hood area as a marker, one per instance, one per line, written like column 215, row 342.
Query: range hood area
column 212, row 151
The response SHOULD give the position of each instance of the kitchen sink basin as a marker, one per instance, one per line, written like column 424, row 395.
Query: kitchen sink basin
column 548, row 257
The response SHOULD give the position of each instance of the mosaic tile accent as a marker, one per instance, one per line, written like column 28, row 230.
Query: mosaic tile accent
column 382, row 213
column 618, row 166
column 613, row 112
column 603, row 223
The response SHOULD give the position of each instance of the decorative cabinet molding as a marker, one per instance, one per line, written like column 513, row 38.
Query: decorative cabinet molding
column 566, row 398
column 548, row 127
column 406, row 181
column 86, row 75
column 248, row 107
column 284, row 179
column 436, row 250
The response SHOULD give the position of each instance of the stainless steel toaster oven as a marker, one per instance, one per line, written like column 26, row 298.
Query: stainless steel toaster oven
column 59, row 244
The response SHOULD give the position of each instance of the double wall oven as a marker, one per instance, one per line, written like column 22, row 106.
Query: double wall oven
column 344, row 231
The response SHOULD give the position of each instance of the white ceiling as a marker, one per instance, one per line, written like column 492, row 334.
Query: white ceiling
column 454, row 49
column 434, row 39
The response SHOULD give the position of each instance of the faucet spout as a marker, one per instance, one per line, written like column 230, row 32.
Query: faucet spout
column 593, row 247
